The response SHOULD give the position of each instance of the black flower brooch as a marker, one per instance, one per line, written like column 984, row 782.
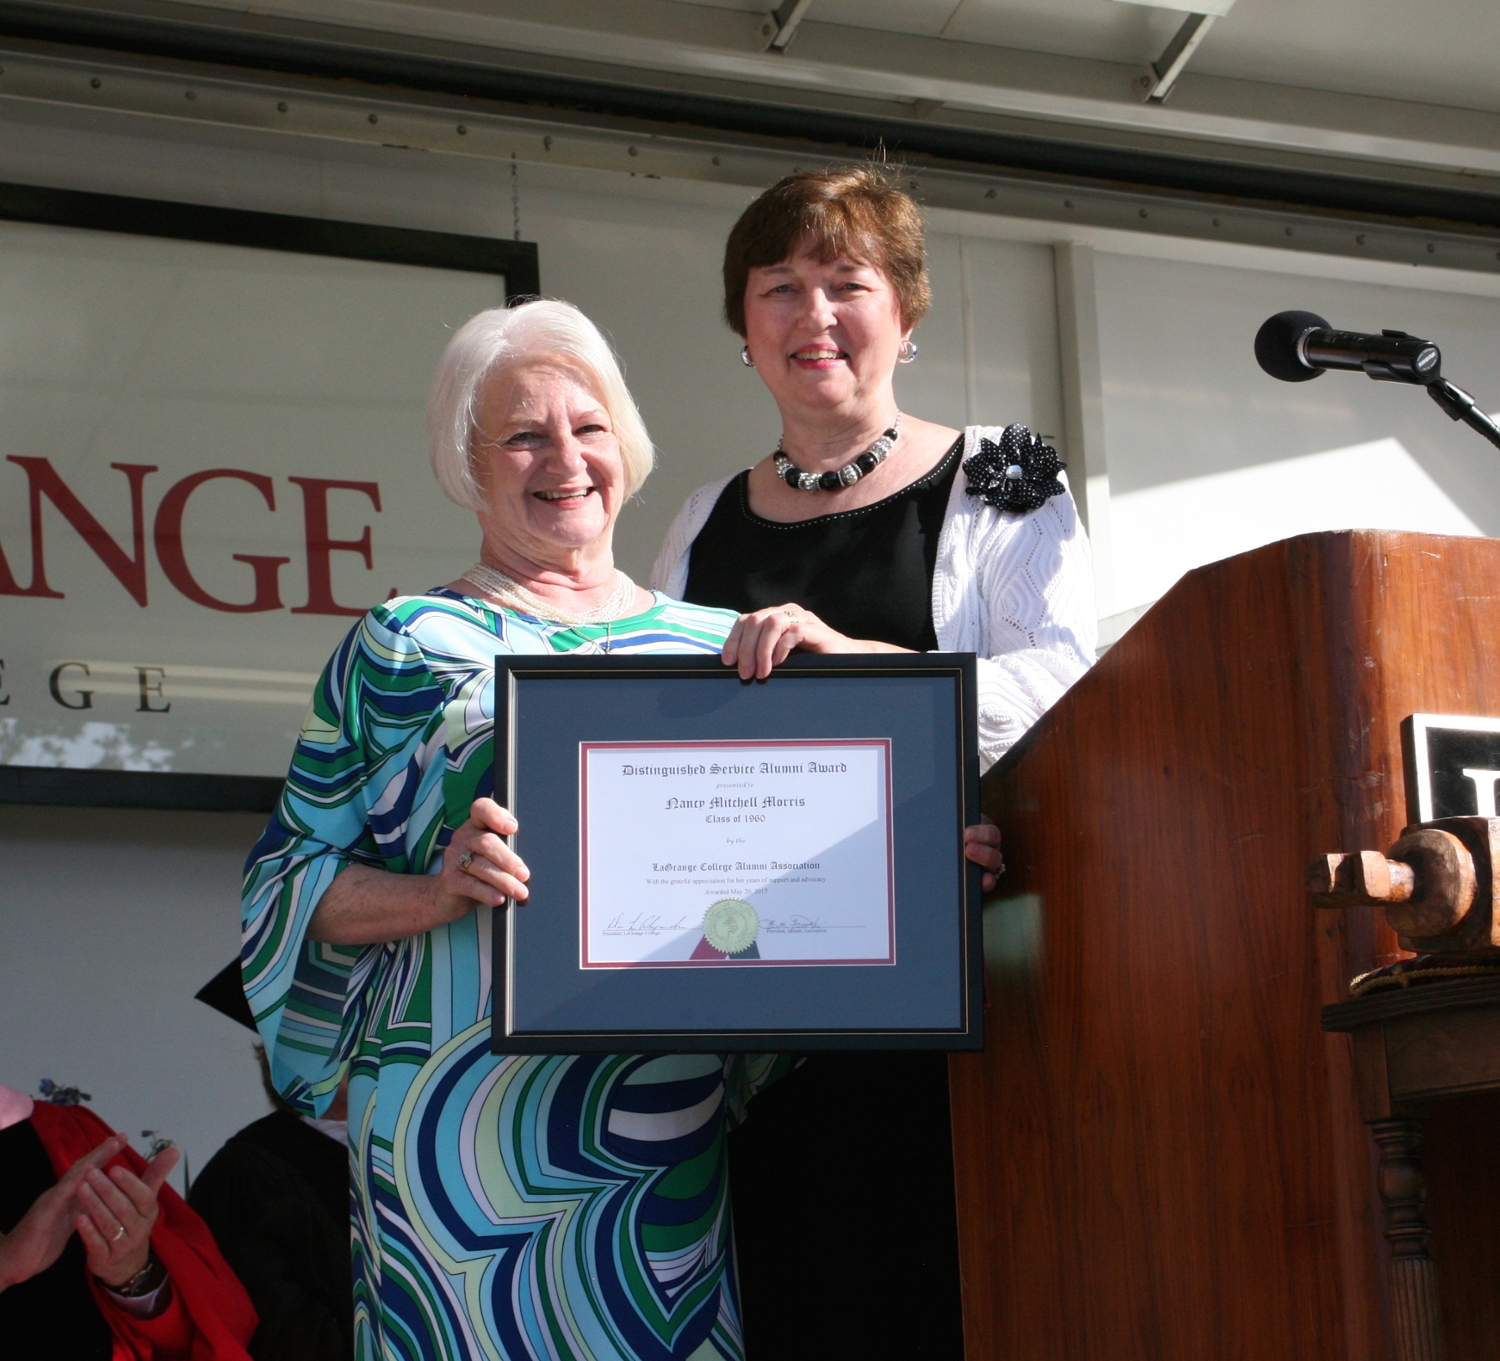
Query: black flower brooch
column 1019, row 473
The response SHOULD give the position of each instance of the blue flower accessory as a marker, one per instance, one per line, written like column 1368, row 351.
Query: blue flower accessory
column 1019, row 473
column 61, row 1096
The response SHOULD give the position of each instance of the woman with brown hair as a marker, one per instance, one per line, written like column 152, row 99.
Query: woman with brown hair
column 868, row 530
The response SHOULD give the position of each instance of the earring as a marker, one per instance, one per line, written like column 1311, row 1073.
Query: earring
column 907, row 353
column 745, row 358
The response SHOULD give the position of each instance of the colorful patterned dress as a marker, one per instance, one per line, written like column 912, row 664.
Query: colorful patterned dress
column 566, row 1208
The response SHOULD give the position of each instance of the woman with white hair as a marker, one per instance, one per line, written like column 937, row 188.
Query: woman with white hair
column 521, row 1207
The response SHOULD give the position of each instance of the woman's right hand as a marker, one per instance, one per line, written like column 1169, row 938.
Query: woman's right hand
column 764, row 639
column 478, row 867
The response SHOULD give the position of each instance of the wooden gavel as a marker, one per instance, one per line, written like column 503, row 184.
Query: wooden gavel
column 1436, row 884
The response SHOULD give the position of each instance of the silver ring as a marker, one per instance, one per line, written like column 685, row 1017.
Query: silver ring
column 465, row 860
column 115, row 1238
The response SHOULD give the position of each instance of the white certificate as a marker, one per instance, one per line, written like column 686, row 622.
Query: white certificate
column 736, row 853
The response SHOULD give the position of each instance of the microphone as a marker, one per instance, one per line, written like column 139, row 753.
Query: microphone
column 1296, row 346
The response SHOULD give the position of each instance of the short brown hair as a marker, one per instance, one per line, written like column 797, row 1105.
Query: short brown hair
column 857, row 212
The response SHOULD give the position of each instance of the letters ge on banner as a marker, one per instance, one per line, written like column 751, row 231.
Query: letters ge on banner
column 128, row 563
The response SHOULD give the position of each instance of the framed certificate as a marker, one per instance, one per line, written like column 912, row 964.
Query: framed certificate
column 723, row 865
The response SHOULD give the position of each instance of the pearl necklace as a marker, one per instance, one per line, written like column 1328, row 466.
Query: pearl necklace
column 511, row 593
column 846, row 476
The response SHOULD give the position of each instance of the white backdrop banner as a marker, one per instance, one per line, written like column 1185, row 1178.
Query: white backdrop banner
column 212, row 460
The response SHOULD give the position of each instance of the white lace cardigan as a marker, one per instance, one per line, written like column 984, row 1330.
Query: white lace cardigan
column 1018, row 589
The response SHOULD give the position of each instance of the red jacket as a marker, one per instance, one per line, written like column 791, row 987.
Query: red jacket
column 210, row 1317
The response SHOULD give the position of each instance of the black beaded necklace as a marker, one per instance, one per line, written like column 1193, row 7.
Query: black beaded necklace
column 846, row 476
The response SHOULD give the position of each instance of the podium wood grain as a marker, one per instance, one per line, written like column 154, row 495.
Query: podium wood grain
column 1159, row 1154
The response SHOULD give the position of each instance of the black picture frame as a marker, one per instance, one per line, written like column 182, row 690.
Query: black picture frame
column 516, row 261
column 176, row 221
column 928, row 996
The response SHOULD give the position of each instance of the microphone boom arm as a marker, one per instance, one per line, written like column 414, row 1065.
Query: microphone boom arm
column 1462, row 407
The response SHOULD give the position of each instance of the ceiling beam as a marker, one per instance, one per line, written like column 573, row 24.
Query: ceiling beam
column 723, row 45
column 810, row 116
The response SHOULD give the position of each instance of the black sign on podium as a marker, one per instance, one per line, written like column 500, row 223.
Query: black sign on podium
column 1452, row 765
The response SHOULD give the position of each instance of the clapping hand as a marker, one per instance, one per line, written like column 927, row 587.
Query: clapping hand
column 113, row 1213
column 118, row 1212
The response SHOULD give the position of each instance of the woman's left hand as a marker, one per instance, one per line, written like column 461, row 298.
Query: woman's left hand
column 119, row 1209
column 766, row 638
column 982, row 846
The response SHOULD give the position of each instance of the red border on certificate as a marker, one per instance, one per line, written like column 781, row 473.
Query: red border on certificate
column 584, row 748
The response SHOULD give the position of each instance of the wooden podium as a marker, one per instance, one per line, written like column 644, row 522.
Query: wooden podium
column 1159, row 1156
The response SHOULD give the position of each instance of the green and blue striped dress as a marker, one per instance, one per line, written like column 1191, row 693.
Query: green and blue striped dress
column 566, row 1208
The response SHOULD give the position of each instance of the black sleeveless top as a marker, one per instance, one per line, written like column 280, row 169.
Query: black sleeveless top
column 866, row 572
column 825, row 1134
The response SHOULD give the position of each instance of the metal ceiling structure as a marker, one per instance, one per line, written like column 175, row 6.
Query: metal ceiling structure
column 1031, row 108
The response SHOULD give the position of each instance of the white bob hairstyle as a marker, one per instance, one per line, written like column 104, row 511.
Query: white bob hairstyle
column 507, row 337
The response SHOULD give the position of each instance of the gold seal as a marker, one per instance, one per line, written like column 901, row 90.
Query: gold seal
column 731, row 926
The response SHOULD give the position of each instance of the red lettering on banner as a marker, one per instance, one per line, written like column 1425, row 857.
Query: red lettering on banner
column 169, row 552
column 43, row 480
column 8, row 583
column 320, row 547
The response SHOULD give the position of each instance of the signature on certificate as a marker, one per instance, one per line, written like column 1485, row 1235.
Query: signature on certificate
column 796, row 924
column 643, row 924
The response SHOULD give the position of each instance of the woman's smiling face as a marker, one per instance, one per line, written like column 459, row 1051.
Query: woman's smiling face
column 823, row 335
column 547, row 462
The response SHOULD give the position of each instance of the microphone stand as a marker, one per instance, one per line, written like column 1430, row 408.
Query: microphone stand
column 1462, row 407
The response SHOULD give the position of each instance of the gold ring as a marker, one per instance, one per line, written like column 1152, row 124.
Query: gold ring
column 796, row 619
column 465, row 860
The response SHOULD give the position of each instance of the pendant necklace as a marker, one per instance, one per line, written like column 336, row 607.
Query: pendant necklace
column 512, row 594
column 846, row 476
